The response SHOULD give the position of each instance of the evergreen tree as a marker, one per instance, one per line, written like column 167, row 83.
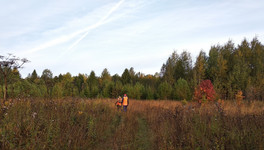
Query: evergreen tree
column 34, row 76
column 105, row 76
column 182, row 90
column 167, row 70
column 183, row 66
column 149, row 93
column 78, row 82
column 200, row 67
column 93, row 84
column 164, row 91
column 47, row 78
column 212, row 62
column 117, row 89
column 138, row 90
column 57, row 91
column 126, row 77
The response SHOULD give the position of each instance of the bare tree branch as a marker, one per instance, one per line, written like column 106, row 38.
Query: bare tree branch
column 7, row 64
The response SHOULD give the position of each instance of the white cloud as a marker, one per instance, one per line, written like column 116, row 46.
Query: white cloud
column 139, row 33
column 68, row 37
column 99, row 23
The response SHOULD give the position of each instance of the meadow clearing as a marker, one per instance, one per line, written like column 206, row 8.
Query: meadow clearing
column 97, row 124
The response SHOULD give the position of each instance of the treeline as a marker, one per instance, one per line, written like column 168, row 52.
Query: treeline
column 230, row 68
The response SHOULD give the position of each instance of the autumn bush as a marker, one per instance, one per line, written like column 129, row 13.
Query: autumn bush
column 204, row 92
column 97, row 124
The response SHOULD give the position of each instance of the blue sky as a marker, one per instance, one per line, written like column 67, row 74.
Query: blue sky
column 80, row 36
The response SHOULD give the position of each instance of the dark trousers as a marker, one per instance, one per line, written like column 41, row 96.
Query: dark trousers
column 124, row 108
column 118, row 107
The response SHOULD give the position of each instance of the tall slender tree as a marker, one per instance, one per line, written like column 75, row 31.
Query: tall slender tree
column 200, row 67
column 7, row 64
column 126, row 77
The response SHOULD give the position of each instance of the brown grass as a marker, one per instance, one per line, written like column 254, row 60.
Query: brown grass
column 96, row 124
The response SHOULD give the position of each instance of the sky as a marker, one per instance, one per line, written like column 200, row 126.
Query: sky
column 84, row 35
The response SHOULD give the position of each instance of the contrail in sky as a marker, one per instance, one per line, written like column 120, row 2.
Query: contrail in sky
column 100, row 22
column 68, row 37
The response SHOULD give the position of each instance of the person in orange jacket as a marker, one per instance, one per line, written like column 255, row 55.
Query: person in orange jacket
column 119, row 103
column 125, row 102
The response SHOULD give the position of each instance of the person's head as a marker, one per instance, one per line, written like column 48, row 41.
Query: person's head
column 125, row 95
column 119, row 96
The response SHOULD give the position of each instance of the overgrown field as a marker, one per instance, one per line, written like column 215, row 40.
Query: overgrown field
column 96, row 124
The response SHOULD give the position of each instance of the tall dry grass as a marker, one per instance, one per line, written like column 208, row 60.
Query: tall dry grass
column 97, row 124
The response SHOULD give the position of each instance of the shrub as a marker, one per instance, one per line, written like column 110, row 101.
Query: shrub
column 184, row 102
column 205, row 91
column 164, row 90
column 182, row 90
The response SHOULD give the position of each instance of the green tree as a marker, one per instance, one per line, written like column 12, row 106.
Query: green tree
column 107, row 89
column 133, row 75
column 221, row 76
column 164, row 90
column 7, row 65
column 33, row 76
column 13, row 78
column 86, row 91
column 182, row 90
column 241, row 69
column 149, row 93
column 212, row 62
column 105, row 76
column 117, row 89
column 93, row 84
column 177, row 66
column 168, row 69
column 200, row 67
column 26, row 89
column 225, row 63
column 47, row 78
column 106, row 84
column 116, row 78
column 126, row 77
column 128, row 89
column 78, row 82
column 255, row 85
column 183, row 66
column 69, row 89
column 57, row 91
column 138, row 90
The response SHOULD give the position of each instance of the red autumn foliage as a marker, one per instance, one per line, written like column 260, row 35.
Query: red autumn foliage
column 205, row 89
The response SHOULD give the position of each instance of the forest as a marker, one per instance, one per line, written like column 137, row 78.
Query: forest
column 228, row 67
column 43, row 111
